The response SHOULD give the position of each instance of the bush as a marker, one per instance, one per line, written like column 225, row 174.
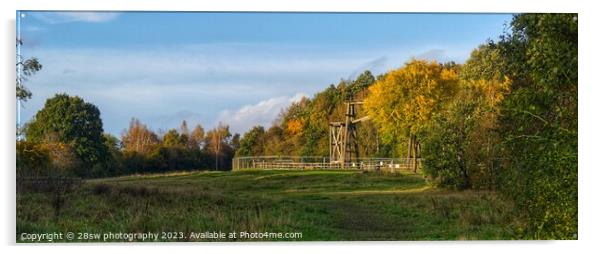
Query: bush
column 458, row 147
column 32, row 160
column 46, row 159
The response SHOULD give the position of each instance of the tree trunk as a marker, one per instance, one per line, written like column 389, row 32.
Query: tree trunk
column 414, row 154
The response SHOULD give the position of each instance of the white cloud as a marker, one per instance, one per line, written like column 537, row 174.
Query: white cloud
column 433, row 54
column 456, row 54
column 32, row 28
column 75, row 16
column 262, row 113
column 375, row 66
column 205, row 79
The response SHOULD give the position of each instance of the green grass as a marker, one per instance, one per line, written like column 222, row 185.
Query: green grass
column 322, row 205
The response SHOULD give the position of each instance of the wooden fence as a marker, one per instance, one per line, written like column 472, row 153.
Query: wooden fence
column 320, row 163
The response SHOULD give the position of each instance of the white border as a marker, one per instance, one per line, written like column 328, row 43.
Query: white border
column 589, row 112
column 307, row 5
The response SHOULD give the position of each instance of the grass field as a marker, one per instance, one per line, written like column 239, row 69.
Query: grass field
column 322, row 205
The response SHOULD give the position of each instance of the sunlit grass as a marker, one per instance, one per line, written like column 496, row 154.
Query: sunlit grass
column 323, row 205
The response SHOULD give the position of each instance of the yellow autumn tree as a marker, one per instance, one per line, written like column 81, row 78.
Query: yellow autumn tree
column 294, row 127
column 404, row 100
column 461, row 144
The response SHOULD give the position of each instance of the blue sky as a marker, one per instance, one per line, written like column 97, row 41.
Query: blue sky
column 238, row 68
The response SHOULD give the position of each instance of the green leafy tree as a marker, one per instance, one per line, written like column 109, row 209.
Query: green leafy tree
column 251, row 143
column 235, row 141
column 362, row 82
column 173, row 138
column 461, row 145
column 115, row 160
column 539, row 122
column 274, row 144
column 25, row 69
column 71, row 120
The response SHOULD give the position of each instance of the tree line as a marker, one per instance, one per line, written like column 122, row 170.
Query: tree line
column 66, row 138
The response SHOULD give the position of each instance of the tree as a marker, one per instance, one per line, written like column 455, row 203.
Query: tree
column 484, row 63
column 28, row 68
column 302, row 128
column 362, row 82
column 252, row 142
column 539, row 122
column 235, row 141
column 444, row 151
column 173, row 138
column 274, row 144
column 73, row 121
column 461, row 143
column 184, row 128
column 138, row 138
column 405, row 99
column 115, row 160
column 217, row 139
column 25, row 69
column 196, row 137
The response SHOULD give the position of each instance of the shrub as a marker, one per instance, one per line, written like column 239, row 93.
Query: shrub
column 458, row 146
column 46, row 159
column 32, row 160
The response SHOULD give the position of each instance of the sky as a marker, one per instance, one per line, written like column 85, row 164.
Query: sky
column 241, row 69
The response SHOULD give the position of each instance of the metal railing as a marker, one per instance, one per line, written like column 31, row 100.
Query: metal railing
column 321, row 163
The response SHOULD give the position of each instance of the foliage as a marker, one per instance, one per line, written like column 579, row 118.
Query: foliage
column 32, row 160
column 115, row 160
column 360, row 84
column 218, row 142
column 252, row 142
column 173, row 138
column 407, row 97
column 39, row 160
column 71, row 120
column 302, row 129
column 403, row 102
column 196, row 137
column 460, row 147
column 145, row 152
column 138, row 138
column 25, row 69
column 171, row 158
column 539, row 122
column 514, row 127
column 484, row 63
